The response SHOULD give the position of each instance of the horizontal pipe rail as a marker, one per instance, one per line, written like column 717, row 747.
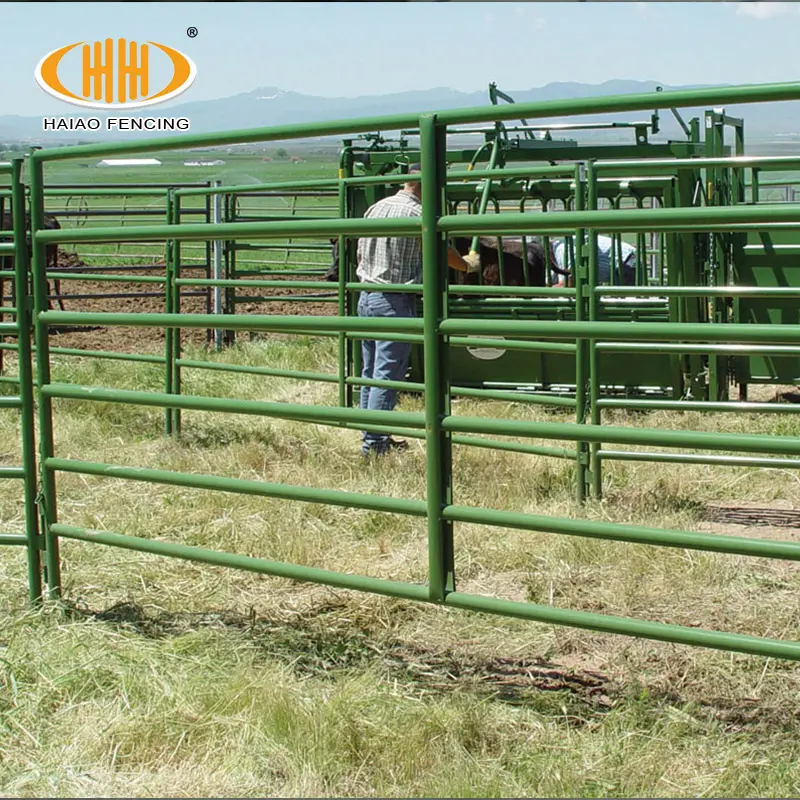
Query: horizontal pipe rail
column 13, row 539
column 634, row 534
column 538, row 613
column 729, row 218
column 251, row 322
column 318, row 414
column 747, row 93
column 547, row 329
column 693, row 440
column 280, row 569
column 336, row 497
column 267, row 371
column 690, row 458
column 692, row 291
column 670, row 347
column 698, row 405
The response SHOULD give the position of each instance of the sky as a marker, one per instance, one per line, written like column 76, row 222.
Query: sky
column 350, row 49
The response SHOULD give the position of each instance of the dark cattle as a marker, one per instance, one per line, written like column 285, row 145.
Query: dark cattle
column 513, row 265
column 50, row 251
column 513, row 268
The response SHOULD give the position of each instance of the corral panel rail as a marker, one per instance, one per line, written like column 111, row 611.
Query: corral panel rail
column 438, row 423
column 14, row 259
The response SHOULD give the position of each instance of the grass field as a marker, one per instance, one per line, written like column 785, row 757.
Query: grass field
column 168, row 678
column 161, row 677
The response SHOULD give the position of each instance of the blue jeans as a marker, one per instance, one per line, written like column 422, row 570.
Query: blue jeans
column 383, row 360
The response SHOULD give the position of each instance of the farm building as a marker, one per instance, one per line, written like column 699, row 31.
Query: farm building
column 129, row 162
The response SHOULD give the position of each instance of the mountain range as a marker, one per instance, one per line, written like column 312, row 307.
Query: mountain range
column 271, row 105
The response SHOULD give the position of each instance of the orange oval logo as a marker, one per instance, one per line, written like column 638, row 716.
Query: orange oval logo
column 115, row 75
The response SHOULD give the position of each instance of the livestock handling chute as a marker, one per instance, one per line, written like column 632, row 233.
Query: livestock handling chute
column 531, row 169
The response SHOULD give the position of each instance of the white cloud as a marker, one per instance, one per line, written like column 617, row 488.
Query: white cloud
column 764, row 10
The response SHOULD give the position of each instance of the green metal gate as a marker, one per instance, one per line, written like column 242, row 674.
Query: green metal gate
column 437, row 329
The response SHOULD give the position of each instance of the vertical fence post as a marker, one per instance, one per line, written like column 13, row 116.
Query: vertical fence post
column 216, row 256
column 25, row 374
column 176, row 309
column 438, row 444
column 169, row 288
column 344, row 306
column 48, row 512
column 594, row 315
column 581, row 354
column 230, row 250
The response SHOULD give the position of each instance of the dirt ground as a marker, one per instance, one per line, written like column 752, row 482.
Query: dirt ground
column 149, row 299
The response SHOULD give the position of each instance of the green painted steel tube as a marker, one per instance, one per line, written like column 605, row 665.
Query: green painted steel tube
column 11, row 402
column 246, row 188
column 294, row 572
column 612, row 531
column 203, row 231
column 538, row 613
column 699, row 291
column 553, row 223
column 636, row 331
column 318, row 414
column 14, row 539
column 659, row 631
column 264, row 322
column 441, row 569
column 661, row 347
column 256, row 284
column 26, row 397
column 107, row 354
column 695, row 440
column 473, row 441
column 699, row 405
column 335, row 497
column 48, row 511
column 99, row 191
column 457, row 391
column 621, row 220
column 690, row 458
column 505, row 173
column 411, row 338
column 12, row 473
column 670, row 165
column 747, row 93
column 510, row 344
column 520, row 291
column 169, row 333
column 595, row 415
column 99, row 278
column 267, row 371
column 484, row 200
column 515, row 447
column 583, row 374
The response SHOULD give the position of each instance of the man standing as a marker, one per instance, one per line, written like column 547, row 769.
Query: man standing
column 606, row 254
column 391, row 260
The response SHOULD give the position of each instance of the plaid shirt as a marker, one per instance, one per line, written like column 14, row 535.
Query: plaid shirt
column 395, row 259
